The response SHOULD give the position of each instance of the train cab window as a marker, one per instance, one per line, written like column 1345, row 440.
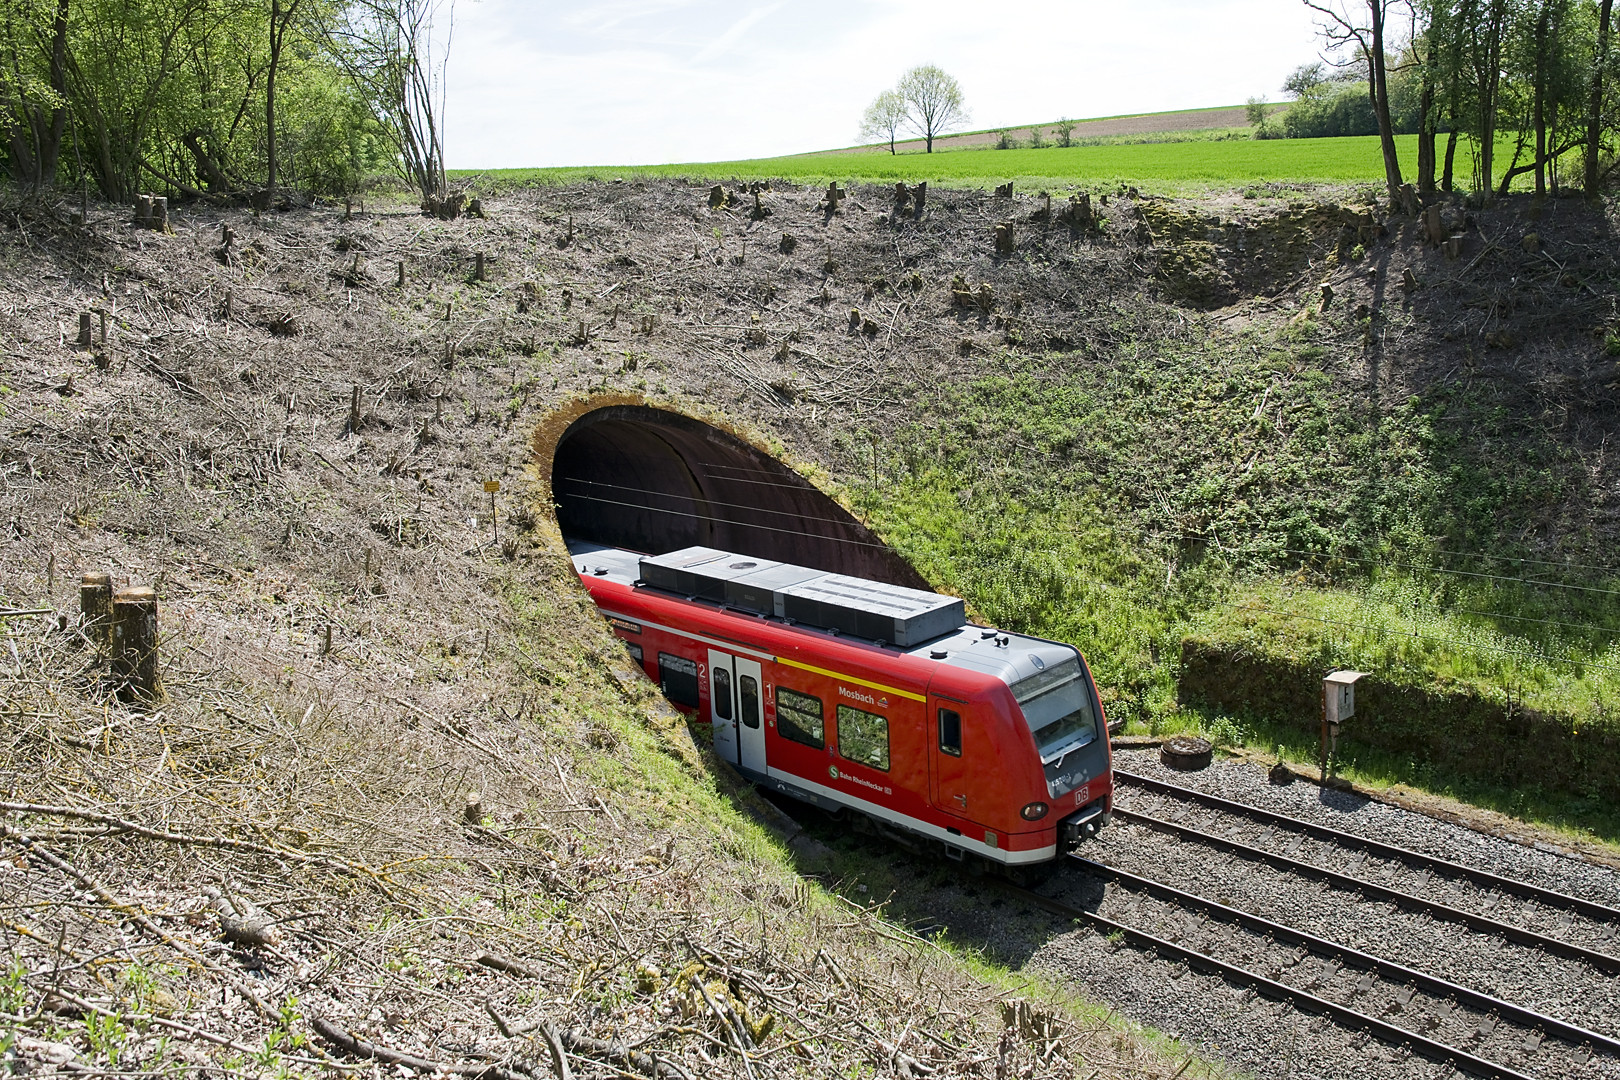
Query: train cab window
column 748, row 692
column 799, row 718
column 635, row 651
column 863, row 737
column 950, row 732
column 677, row 678
column 720, row 693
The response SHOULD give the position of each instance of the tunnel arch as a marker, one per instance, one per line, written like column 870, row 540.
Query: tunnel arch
column 629, row 474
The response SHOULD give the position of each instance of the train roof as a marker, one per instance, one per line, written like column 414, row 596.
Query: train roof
column 911, row 622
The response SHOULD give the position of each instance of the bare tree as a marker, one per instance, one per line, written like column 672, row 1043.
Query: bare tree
column 396, row 52
column 1340, row 28
column 885, row 116
column 933, row 102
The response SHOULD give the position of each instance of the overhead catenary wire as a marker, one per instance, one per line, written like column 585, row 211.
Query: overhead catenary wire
column 716, row 502
column 729, row 521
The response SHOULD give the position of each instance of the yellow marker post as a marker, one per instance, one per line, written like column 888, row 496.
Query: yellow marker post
column 492, row 486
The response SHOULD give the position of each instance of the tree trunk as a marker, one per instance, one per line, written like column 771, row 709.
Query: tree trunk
column 1380, row 88
column 1594, row 103
column 1539, row 107
column 1489, row 70
column 50, row 149
column 1451, row 159
column 1426, row 129
column 270, row 100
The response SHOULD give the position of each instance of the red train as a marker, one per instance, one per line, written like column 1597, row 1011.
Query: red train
column 857, row 695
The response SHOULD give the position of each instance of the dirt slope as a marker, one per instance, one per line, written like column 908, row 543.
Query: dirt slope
column 283, row 855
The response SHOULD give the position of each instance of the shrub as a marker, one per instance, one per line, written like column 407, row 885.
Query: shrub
column 1006, row 141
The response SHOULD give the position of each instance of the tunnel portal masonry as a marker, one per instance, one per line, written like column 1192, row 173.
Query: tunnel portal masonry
column 627, row 473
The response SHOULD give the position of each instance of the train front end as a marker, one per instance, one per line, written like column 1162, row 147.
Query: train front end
column 1059, row 705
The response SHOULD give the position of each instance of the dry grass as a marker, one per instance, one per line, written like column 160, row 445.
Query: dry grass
column 275, row 859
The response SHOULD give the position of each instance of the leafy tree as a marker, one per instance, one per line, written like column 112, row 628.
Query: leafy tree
column 1343, row 27
column 933, row 102
column 1065, row 131
column 884, row 117
column 1304, row 79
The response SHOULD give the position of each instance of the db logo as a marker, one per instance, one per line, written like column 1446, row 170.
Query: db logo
column 832, row 771
column 1081, row 794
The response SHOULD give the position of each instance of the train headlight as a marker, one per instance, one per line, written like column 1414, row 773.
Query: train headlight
column 1034, row 811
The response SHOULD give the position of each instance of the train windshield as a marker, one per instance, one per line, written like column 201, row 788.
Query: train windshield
column 1058, row 707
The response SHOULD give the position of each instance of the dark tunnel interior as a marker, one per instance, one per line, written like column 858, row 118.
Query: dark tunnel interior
column 654, row 481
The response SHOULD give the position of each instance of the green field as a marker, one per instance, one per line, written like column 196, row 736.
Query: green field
column 1199, row 163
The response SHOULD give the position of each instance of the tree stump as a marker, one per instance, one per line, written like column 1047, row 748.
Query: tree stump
column 919, row 198
column 475, row 208
column 1004, row 240
column 835, row 195
column 719, row 198
column 86, row 330
column 1409, row 200
column 1434, row 231
column 95, row 607
column 135, row 643
column 160, row 213
column 902, row 199
column 1409, row 281
column 478, row 267
column 400, row 284
column 1327, row 295
column 1004, row 191
column 787, row 245
column 354, row 410
column 143, row 211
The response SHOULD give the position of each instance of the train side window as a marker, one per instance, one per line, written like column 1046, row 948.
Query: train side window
column 950, row 732
column 720, row 693
column 863, row 737
column 748, row 691
column 635, row 651
column 677, row 678
column 798, row 717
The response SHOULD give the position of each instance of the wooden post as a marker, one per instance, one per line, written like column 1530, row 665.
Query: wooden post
column 478, row 267
column 1004, row 239
column 95, row 606
column 86, row 331
column 354, row 409
column 103, row 314
column 401, row 282
column 135, row 643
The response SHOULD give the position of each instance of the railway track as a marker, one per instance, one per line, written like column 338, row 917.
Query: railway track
column 1354, row 841
column 1395, row 995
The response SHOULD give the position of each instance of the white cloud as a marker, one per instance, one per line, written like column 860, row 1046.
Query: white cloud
column 631, row 81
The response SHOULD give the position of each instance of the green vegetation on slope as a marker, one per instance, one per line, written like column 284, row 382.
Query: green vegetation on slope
column 1195, row 486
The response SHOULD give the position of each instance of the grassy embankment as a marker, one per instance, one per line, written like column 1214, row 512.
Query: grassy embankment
column 1055, row 495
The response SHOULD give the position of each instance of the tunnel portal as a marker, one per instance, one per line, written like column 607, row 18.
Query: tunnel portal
column 655, row 481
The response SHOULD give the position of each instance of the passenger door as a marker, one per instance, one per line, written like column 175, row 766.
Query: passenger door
column 947, row 756
column 750, row 714
column 723, row 705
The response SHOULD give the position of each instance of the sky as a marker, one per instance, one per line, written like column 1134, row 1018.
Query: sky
column 655, row 81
